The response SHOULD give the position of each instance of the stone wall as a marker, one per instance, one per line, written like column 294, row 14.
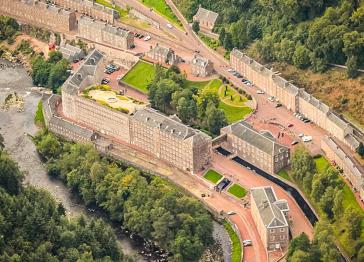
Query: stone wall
column 141, row 16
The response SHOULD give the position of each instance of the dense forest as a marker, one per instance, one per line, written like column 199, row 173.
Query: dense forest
column 308, row 34
column 33, row 226
column 338, row 218
column 147, row 205
column 170, row 93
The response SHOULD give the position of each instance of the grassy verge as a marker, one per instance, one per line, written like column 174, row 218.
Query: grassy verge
column 39, row 118
column 117, row 8
column 140, row 76
column 233, row 113
column 198, row 85
column 237, row 191
column 235, row 241
column 161, row 7
column 212, row 176
column 284, row 174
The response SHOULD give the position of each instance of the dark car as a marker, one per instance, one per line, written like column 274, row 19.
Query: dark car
column 278, row 105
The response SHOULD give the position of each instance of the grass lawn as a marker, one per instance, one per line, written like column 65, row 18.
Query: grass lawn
column 321, row 164
column 232, row 97
column 235, row 241
column 283, row 174
column 237, row 190
column 198, row 85
column 163, row 9
column 233, row 113
column 212, row 176
column 140, row 76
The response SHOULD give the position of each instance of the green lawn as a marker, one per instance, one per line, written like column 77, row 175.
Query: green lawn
column 283, row 174
column 163, row 9
column 231, row 96
column 235, row 241
column 233, row 113
column 140, row 76
column 39, row 118
column 198, row 85
column 321, row 164
column 106, row 3
column 237, row 191
column 212, row 176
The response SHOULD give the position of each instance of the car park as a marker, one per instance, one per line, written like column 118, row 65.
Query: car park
column 247, row 242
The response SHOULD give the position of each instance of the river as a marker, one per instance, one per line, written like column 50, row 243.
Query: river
column 17, row 129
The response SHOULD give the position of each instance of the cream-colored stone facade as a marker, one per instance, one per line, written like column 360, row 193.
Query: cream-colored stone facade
column 90, row 8
column 350, row 168
column 270, row 217
column 40, row 14
column 201, row 66
column 205, row 18
column 293, row 98
column 163, row 55
column 259, row 149
column 101, row 32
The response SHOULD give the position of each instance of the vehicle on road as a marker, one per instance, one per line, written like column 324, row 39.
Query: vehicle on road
column 290, row 125
column 169, row 26
column 105, row 81
column 306, row 121
column 260, row 92
column 230, row 70
column 147, row 38
column 230, row 213
column 301, row 135
column 247, row 242
column 307, row 139
column 271, row 98
column 278, row 105
column 295, row 142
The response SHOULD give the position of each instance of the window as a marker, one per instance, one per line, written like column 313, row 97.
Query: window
column 282, row 229
column 272, row 230
column 272, row 238
column 283, row 237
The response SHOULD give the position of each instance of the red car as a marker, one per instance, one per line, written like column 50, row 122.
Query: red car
column 290, row 125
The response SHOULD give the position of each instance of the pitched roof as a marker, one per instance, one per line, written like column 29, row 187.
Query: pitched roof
column 206, row 15
column 164, row 51
column 266, row 202
column 166, row 124
column 200, row 61
column 264, row 141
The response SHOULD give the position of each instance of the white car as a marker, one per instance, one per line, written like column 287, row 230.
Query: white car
column 230, row 213
column 306, row 139
column 271, row 98
column 260, row 92
column 301, row 135
column 247, row 242
column 147, row 38
column 169, row 26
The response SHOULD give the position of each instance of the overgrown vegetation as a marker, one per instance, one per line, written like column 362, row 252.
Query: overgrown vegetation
column 235, row 242
column 197, row 107
column 341, row 217
column 39, row 118
column 37, row 32
column 52, row 72
column 161, row 7
column 34, row 226
column 8, row 28
column 145, row 204
column 311, row 33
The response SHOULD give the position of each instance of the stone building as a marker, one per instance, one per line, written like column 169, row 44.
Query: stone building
column 201, row 66
column 40, row 14
column 352, row 170
column 293, row 98
column 90, row 8
column 270, row 217
column 259, row 149
column 163, row 55
column 71, row 52
column 105, row 33
column 205, row 18
column 170, row 140
column 162, row 136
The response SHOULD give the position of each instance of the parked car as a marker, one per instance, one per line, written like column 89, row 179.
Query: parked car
column 290, row 125
column 306, row 121
column 278, row 105
column 105, row 81
column 230, row 213
column 307, row 139
column 301, row 135
column 295, row 142
column 147, row 38
column 169, row 26
column 271, row 98
column 260, row 92
column 247, row 242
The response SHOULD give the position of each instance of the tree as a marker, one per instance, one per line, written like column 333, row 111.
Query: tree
column 353, row 221
column 302, row 163
column 58, row 74
column 10, row 176
column 2, row 143
column 352, row 67
column 186, row 109
column 228, row 41
column 163, row 94
column 327, row 201
column 301, row 57
column 216, row 119
column 196, row 26
column 338, row 205
column 360, row 149
column 222, row 36
column 54, row 57
column 299, row 256
column 298, row 243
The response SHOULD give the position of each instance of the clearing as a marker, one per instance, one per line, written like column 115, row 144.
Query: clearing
column 212, row 176
column 237, row 191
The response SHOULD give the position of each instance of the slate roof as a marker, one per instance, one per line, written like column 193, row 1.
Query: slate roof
column 265, row 200
column 164, row 51
column 155, row 119
column 263, row 141
column 116, row 30
column 206, row 15
column 70, row 51
column 200, row 61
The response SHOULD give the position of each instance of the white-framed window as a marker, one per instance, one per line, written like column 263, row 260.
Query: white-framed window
column 282, row 229
column 271, row 230
column 282, row 237
column 272, row 238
